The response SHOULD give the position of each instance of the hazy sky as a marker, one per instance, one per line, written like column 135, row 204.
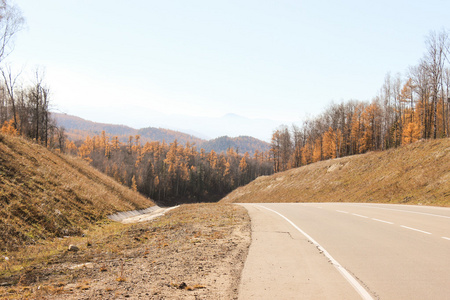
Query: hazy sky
column 280, row 60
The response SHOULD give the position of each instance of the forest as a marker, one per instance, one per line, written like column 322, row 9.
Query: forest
column 25, row 110
column 172, row 173
column 404, row 111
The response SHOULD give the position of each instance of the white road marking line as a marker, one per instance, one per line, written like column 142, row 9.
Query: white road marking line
column 415, row 229
column 360, row 216
column 407, row 211
column 356, row 285
column 446, row 238
column 341, row 211
column 382, row 221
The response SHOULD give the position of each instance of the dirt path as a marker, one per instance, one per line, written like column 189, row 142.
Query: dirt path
column 155, row 213
column 192, row 252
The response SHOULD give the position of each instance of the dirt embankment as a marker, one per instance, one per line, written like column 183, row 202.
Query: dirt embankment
column 193, row 252
column 45, row 195
column 415, row 174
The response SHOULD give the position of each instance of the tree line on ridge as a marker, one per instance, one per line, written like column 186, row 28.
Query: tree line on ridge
column 404, row 111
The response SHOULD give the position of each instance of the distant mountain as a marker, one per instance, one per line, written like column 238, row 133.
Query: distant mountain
column 242, row 144
column 204, row 127
column 160, row 134
column 72, row 123
column 227, row 125
column 78, row 129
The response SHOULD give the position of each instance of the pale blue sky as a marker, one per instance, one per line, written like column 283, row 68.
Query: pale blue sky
column 279, row 60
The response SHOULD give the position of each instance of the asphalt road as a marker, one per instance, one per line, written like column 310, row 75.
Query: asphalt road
column 347, row 251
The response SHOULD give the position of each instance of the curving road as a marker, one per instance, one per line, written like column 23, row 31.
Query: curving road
column 347, row 251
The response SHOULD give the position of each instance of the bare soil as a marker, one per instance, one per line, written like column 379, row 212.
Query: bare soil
column 418, row 173
column 196, row 251
column 44, row 194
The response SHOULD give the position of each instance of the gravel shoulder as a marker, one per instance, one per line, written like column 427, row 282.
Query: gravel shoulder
column 195, row 251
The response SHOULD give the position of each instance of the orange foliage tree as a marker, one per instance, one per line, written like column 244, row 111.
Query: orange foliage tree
column 172, row 173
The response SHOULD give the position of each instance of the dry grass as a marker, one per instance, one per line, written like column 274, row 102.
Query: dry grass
column 415, row 174
column 44, row 195
column 153, row 260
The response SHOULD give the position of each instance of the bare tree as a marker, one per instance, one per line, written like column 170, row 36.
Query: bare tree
column 447, row 97
column 298, row 140
column 39, row 100
column 10, row 84
column 61, row 138
column 421, row 85
column 435, row 62
column 11, row 21
column 285, row 147
column 386, row 92
column 3, row 105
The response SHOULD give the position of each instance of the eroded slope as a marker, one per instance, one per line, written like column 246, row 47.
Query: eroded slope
column 44, row 194
column 415, row 174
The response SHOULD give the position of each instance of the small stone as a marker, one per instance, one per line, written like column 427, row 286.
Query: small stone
column 5, row 284
column 73, row 248
column 182, row 286
column 81, row 266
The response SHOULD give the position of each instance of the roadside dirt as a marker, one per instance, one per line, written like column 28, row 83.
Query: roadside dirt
column 193, row 252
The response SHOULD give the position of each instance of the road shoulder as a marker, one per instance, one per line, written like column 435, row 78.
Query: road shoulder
column 283, row 264
column 196, row 251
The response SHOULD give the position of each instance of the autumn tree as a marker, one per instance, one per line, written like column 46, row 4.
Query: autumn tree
column 8, row 128
column 411, row 133
column 332, row 139
column 275, row 150
column 175, row 172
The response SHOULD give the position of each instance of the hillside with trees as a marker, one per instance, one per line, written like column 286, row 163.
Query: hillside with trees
column 171, row 173
column 241, row 144
column 403, row 112
column 418, row 173
column 24, row 109
column 78, row 129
